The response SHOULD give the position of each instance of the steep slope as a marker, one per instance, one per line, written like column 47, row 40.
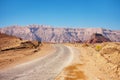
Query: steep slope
column 98, row 38
column 7, row 41
column 49, row 34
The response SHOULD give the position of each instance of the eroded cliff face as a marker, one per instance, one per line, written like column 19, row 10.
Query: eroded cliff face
column 98, row 38
column 49, row 34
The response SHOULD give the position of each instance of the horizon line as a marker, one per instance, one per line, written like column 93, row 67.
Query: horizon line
column 73, row 27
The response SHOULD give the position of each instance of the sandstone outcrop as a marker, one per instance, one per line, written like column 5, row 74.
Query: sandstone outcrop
column 98, row 38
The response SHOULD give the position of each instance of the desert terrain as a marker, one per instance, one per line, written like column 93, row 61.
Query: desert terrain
column 100, row 61
column 59, row 39
column 15, row 51
column 33, row 60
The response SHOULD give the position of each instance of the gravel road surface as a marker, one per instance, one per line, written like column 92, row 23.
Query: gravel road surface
column 45, row 68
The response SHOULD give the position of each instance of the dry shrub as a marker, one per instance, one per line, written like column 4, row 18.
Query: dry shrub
column 85, row 45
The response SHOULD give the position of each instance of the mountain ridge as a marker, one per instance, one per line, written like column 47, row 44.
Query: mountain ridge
column 46, row 33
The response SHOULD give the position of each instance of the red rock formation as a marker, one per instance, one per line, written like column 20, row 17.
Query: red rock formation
column 98, row 38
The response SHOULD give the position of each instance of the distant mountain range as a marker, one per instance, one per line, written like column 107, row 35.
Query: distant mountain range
column 50, row 34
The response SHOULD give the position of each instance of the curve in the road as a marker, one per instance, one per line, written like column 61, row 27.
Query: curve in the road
column 46, row 68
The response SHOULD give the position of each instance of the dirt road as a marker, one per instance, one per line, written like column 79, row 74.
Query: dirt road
column 45, row 68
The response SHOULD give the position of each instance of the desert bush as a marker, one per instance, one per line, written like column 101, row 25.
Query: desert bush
column 85, row 45
column 98, row 47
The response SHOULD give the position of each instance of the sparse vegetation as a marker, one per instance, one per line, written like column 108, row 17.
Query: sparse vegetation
column 98, row 47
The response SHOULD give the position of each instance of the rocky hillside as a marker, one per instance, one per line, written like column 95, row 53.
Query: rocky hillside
column 98, row 38
column 8, row 42
column 49, row 34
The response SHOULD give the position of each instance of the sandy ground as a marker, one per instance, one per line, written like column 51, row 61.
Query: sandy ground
column 93, row 62
column 90, row 61
column 12, row 58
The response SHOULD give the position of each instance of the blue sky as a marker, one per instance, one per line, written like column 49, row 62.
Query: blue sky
column 69, row 13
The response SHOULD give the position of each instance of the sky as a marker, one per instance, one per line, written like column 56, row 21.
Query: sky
column 61, row 13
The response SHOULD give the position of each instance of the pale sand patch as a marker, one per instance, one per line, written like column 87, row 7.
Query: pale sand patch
column 12, row 58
